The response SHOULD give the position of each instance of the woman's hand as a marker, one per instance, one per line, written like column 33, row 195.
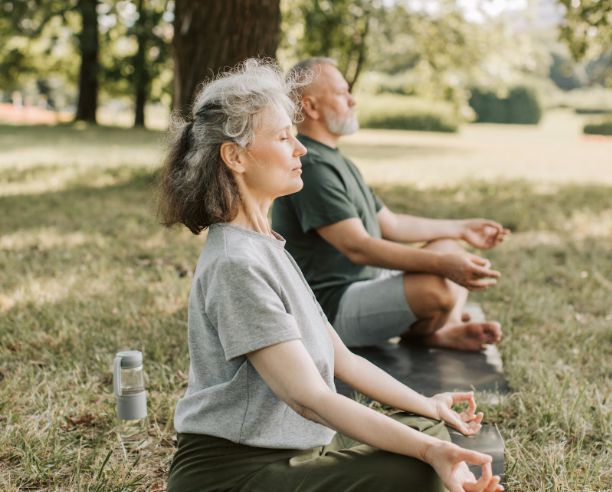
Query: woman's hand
column 467, row 422
column 482, row 233
column 450, row 463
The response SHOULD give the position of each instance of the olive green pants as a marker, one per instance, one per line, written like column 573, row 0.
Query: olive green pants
column 207, row 464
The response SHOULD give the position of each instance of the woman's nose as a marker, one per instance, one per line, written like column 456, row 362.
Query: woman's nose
column 299, row 150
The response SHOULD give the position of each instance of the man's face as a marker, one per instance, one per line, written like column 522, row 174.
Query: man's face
column 334, row 101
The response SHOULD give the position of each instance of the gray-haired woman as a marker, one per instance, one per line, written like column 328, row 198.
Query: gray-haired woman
column 261, row 411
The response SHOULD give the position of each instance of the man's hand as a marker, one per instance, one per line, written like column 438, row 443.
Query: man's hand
column 482, row 233
column 450, row 463
column 467, row 422
column 468, row 270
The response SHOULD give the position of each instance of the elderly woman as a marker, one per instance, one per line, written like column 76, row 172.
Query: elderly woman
column 261, row 412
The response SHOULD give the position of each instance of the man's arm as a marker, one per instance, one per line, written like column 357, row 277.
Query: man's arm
column 410, row 229
column 480, row 233
column 351, row 239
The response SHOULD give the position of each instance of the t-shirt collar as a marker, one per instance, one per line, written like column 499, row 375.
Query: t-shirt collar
column 303, row 138
column 277, row 241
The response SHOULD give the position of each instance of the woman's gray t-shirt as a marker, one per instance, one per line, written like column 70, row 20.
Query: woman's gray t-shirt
column 248, row 293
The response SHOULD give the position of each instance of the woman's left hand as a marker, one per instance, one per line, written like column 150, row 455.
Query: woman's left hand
column 467, row 422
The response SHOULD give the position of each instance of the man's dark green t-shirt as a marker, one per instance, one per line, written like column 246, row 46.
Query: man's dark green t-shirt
column 334, row 190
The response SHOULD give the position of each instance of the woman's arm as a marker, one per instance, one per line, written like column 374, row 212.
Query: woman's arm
column 375, row 383
column 363, row 376
column 291, row 374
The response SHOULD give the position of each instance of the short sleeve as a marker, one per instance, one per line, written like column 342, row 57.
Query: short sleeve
column 244, row 305
column 379, row 203
column 323, row 200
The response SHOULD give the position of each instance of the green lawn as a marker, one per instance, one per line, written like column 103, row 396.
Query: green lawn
column 87, row 271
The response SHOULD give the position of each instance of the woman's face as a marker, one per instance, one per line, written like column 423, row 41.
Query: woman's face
column 272, row 160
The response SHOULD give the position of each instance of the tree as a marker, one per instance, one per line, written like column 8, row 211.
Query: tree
column 338, row 29
column 149, row 40
column 587, row 30
column 210, row 35
column 87, row 104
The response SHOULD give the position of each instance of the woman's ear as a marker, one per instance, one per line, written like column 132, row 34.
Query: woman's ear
column 232, row 157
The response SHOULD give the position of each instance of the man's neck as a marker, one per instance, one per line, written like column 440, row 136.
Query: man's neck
column 319, row 134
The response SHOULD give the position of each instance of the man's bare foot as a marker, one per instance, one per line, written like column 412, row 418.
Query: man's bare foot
column 469, row 336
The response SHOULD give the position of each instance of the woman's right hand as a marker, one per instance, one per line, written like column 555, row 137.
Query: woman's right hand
column 469, row 270
column 450, row 463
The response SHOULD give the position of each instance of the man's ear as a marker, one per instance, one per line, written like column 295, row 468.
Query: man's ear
column 310, row 107
column 232, row 157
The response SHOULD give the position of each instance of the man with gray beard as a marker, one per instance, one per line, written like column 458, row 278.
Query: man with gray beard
column 352, row 249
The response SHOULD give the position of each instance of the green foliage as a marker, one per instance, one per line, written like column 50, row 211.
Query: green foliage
column 521, row 106
column 598, row 128
column 124, row 28
column 406, row 113
column 338, row 29
column 587, row 31
column 587, row 26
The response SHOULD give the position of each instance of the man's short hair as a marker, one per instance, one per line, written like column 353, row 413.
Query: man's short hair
column 303, row 72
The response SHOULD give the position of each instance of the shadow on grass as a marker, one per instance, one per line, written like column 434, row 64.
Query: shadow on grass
column 17, row 137
column 83, row 207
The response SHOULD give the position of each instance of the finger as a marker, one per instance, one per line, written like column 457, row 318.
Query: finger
column 487, row 474
column 492, row 230
column 496, row 225
column 494, row 485
column 479, row 260
column 492, row 332
column 468, row 397
column 484, row 272
column 472, row 419
column 474, row 457
column 481, row 283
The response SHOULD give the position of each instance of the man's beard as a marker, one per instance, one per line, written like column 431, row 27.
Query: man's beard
column 341, row 126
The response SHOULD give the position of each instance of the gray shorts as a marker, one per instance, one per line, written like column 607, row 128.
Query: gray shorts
column 373, row 311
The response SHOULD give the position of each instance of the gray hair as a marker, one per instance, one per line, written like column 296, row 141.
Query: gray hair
column 304, row 72
column 196, row 188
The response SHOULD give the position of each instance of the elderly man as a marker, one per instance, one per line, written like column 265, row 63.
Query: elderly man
column 351, row 248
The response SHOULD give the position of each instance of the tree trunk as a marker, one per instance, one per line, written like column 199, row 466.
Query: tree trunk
column 141, row 79
column 211, row 35
column 88, row 76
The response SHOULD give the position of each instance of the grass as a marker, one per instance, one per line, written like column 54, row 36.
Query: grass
column 87, row 271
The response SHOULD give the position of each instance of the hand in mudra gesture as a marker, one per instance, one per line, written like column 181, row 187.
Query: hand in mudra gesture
column 482, row 233
column 468, row 422
column 449, row 460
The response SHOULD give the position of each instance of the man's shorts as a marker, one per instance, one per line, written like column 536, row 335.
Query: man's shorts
column 372, row 311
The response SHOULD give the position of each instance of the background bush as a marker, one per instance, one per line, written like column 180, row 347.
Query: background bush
column 396, row 112
column 520, row 106
column 599, row 128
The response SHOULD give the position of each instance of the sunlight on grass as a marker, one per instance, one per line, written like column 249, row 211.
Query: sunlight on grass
column 88, row 270
column 47, row 238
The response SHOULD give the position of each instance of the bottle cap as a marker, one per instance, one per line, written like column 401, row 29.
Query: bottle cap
column 130, row 358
